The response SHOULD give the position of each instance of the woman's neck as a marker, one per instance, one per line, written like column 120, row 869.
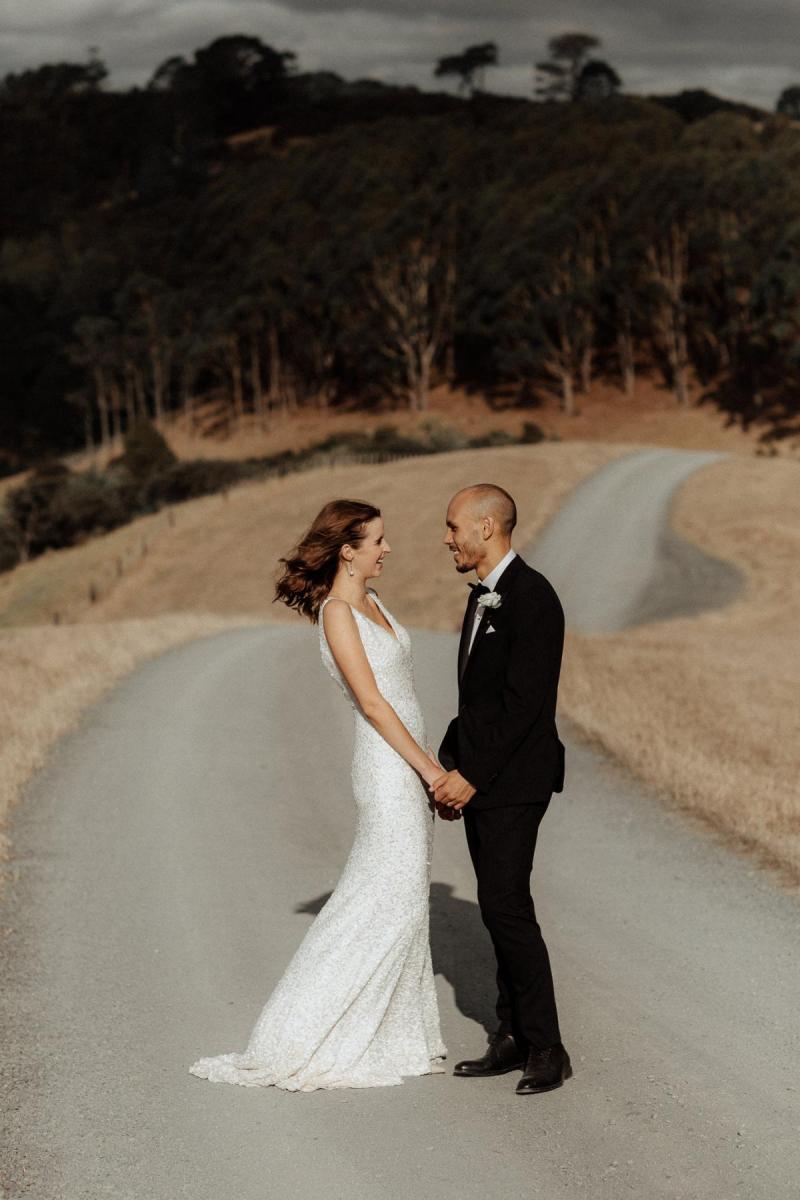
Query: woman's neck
column 351, row 588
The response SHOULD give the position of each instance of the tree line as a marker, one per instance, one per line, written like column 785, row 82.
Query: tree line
column 508, row 245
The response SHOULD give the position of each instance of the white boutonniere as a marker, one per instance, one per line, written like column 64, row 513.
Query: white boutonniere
column 490, row 600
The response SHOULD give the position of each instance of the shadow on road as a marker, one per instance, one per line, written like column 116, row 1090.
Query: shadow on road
column 460, row 949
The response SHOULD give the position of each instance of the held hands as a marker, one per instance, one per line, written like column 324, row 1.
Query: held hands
column 451, row 791
column 445, row 812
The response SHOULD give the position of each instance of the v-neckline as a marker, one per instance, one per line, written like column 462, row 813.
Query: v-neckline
column 389, row 632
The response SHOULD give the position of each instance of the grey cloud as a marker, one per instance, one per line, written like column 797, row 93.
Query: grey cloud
column 444, row 9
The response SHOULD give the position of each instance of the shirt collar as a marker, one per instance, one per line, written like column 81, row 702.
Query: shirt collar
column 493, row 576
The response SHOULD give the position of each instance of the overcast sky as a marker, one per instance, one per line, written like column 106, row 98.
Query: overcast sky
column 744, row 49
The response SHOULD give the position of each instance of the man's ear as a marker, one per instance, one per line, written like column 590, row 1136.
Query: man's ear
column 487, row 527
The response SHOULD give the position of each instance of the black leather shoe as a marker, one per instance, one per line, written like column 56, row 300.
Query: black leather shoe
column 545, row 1070
column 503, row 1055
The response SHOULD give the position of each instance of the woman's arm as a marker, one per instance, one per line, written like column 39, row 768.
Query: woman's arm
column 347, row 649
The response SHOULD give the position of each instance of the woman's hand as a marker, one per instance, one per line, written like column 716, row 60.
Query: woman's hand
column 446, row 813
column 437, row 773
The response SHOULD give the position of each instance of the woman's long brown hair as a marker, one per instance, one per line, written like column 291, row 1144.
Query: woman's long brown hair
column 309, row 571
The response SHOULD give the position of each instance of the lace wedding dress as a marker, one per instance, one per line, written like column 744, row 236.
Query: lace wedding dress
column 356, row 1006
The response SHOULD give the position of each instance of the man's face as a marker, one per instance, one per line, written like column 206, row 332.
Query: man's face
column 463, row 535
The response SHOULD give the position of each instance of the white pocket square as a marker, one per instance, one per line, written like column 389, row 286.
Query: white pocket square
column 490, row 629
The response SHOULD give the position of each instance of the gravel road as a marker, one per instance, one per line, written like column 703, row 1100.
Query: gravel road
column 614, row 560
column 169, row 858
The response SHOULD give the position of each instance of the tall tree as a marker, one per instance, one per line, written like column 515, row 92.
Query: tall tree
column 144, row 308
column 558, row 75
column 92, row 349
column 230, row 84
column 668, row 261
column 409, row 292
column 789, row 102
column 468, row 66
column 552, row 294
column 597, row 81
column 51, row 83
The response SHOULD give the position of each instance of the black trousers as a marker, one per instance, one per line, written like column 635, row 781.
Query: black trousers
column 501, row 843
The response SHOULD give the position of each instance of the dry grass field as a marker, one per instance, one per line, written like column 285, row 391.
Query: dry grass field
column 221, row 554
column 705, row 709
column 56, row 584
column 213, row 568
column 606, row 414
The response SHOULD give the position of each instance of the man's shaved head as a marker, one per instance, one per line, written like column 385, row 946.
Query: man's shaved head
column 489, row 500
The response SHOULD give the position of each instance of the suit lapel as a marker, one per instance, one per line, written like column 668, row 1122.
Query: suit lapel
column 466, row 628
column 504, row 583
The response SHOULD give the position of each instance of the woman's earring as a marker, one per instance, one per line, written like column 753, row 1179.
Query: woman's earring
column 350, row 570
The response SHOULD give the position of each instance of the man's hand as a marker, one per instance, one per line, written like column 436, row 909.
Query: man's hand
column 452, row 790
column 446, row 813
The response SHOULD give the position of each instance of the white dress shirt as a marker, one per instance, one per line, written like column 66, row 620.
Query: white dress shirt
column 489, row 582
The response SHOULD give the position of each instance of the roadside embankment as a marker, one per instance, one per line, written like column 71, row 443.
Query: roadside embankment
column 704, row 708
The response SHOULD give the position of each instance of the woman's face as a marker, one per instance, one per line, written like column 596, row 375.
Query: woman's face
column 370, row 552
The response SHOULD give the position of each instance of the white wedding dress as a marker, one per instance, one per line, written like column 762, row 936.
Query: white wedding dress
column 356, row 1007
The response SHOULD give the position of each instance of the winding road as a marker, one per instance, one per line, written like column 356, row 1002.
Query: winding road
column 174, row 849
column 613, row 557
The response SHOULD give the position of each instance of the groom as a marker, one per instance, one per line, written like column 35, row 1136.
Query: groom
column 503, row 760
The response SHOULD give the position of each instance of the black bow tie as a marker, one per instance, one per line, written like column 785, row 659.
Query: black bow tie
column 478, row 588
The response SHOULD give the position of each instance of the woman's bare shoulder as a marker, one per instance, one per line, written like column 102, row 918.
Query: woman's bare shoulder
column 337, row 613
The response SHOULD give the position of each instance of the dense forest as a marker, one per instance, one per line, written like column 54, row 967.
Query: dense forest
column 276, row 239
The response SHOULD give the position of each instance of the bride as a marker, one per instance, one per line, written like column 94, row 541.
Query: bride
column 356, row 1006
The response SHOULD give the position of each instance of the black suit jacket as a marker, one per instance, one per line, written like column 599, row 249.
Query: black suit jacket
column 504, row 739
